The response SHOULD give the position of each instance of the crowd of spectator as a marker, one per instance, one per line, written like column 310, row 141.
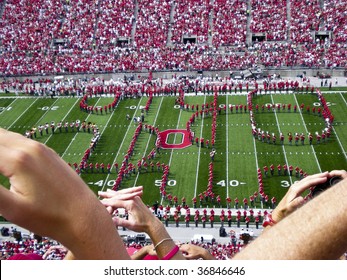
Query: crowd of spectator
column 229, row 23
column 270, row 17
column 191, row 18
column 88, row 36
column 305, row 18
column 42, row 248
column 115, row 21
column 152, row 23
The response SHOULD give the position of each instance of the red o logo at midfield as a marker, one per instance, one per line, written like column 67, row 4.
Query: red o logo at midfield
column 164, row 135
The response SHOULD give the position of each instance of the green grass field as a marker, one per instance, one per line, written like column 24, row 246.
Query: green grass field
column 238, row 154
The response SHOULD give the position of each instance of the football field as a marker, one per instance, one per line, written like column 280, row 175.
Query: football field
column 233, row 173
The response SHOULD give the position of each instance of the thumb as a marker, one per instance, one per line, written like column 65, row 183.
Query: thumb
column 121, row 222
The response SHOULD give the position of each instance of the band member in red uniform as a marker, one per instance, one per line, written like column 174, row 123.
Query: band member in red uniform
column 266, row 169
column 281, row 138
column 236, row 201
column 290, row 138
column 272, row 169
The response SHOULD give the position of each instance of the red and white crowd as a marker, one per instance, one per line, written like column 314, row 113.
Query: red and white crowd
column 87, row 36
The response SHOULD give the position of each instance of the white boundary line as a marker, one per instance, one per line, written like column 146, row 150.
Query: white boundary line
column 303, row 121
column 9, row 105
column 172, row 150
column 343, row 98
column 227, row 145
column 337, row 137
column 338, row 140
column 46, row 111
column 22, row 114
column 284, row 151
column 74, row 138
column 115, row 158
column 199, row 154
column 149, row 138
column 72, row 107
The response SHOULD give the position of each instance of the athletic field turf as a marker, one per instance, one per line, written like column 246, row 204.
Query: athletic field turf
column 238, row 153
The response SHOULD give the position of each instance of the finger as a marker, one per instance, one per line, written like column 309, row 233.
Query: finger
column 111, row 193
column 122, row 222
column 106, row 194
column 309, row 181
column 7, row 156
column 338, row 173
column 111, row 200
column 131, row 190
column 110, row 190
column 114, row 202
column 109, row 209
column 20, row 154
column 188, row 257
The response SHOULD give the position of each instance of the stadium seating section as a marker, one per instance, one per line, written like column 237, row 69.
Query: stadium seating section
column 85, row 36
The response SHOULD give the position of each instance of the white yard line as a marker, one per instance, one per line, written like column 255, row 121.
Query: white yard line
column 74, row 138
column 119, row 148
column 149, row 138
column 46, row 112
column 303, row 121
column 73, row 106
column 177, row 125
column 198, row 163
column 22, row 114
column 256, row 163
column 337, row 137
column 172, row 150
column 227, row 145
column 343, row 98
column 10, row 105
column 284, row 151
column 338, row 140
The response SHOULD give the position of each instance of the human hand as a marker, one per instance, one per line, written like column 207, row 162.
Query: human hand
column 140, row 218
column 194, row 252
column 33, row 195
column 293, row 199
column 59, row 249
column 334, row 177
column 48, row 198
column 143, row 252
column 110, row 196
column 338, row 173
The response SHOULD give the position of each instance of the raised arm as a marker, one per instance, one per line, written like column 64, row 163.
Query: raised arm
column 47, row 197
column 140, row 219
column 315, row 231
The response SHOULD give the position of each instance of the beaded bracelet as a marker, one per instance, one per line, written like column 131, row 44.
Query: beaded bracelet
column 171, row 253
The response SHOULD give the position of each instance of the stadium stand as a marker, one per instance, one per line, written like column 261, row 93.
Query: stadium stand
column 305, row 17
column 274, row 29
column 115, row 21
column 152, row 23
column 229, row 23
column 61, row 37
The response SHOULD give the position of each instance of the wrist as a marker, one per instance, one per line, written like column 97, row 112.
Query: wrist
column 155, row 227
